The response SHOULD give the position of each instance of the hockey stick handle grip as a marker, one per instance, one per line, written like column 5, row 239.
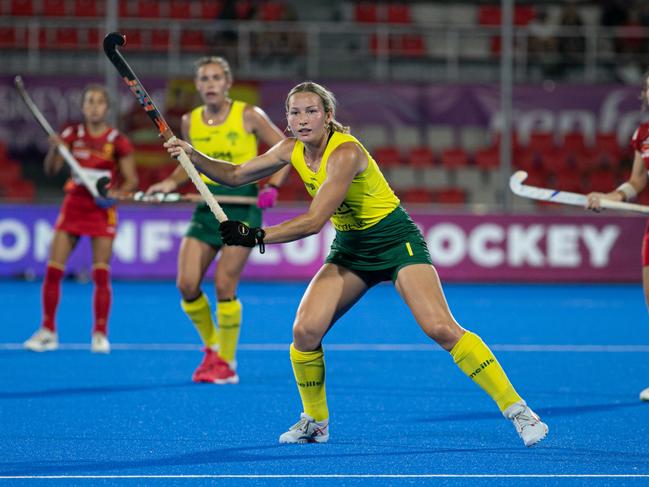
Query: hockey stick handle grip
column 623, row 205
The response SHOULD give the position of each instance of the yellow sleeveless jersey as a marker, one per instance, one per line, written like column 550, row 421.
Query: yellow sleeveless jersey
column 228, row 141
column 369, row 198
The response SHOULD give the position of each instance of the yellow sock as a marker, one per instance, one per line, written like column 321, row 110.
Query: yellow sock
column 200, row 315
column 309, row 370
column 228, row 315
column 475, row 359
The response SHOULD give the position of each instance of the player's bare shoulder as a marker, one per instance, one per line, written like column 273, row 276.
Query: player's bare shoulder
column 349, row 153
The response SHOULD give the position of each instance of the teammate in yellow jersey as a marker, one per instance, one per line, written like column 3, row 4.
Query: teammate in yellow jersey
column 229, row 130
column 375, row 241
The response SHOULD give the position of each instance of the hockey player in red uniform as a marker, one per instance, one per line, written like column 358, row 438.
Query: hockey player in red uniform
column 100, row 150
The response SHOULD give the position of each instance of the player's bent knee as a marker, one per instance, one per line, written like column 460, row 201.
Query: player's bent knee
column 442, row 330
column 306, row 338
column 189, row 289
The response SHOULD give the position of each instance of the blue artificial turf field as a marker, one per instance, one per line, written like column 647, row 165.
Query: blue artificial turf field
column 401, row 412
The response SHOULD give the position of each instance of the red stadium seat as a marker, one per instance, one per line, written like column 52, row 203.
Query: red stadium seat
column 527, row 160
column 210, row 9
column 271, row 11
column 133, row 38
column 541, row 141
column 454, row 158
column 607, row 143
column 421, row 157
column 89, row 8
column 22, row 8
column 160, row 39
column 20, row 191
column 451, row 196
column 398, row 13
column 489, row 15
column 11, row 173
column 602, row 180
column 408, row 45
column 419, row 195
column 65, row 38
column 13, row 38
column 245, row 9
column 54, row 8
column 554, row 160
column 569, row 180
column 180, row 9
column 487, row 159
column 192, row 40
column 574, row 143
column 125, row 8
column 523, row 14
column 366, row 12
column 387, row 156
column 148, row 9
column 93, row 39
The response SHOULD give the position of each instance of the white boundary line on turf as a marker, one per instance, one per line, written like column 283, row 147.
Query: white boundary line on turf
column 353, row 347
column 331, row 476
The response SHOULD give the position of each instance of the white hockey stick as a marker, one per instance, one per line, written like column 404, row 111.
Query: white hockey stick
column 92, row 184
column 565, row 197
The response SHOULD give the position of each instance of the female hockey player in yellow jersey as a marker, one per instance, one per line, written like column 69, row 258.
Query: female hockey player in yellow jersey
column 225, row 129
column 375, row 241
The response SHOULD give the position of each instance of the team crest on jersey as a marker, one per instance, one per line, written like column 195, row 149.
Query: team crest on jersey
column 233, row 137
column 107, row 151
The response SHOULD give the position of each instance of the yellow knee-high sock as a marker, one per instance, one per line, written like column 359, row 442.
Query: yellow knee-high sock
column 475, row 359
column 228, row 315
column 309, row 370
column 200, row 314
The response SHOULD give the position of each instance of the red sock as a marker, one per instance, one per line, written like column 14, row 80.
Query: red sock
column 50, row 294
column 101, row 298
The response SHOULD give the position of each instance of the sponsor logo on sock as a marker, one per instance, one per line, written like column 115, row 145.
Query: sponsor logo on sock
column 483, row 365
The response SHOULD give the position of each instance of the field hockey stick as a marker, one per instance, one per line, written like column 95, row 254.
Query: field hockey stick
column 111, row 41
column 142, row 197
column 96, row 186
column 565, row 197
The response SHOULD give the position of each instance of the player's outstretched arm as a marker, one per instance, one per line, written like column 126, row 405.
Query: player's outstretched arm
column 229, row 174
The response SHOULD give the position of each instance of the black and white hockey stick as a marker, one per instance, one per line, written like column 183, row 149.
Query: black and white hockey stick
column 565, row 197
column 111, row 41
column 95, row 185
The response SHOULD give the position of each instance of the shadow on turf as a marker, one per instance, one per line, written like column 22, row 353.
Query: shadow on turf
column 217, row 457
column 548, row 412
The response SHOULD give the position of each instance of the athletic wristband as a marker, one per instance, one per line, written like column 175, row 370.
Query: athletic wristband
column 259, row 238
column 628, row 191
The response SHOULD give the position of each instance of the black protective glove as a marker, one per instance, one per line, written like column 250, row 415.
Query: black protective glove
column 234, row 232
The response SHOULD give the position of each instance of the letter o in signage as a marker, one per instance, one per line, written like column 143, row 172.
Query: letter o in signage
column 447, row 244
column 20, row 245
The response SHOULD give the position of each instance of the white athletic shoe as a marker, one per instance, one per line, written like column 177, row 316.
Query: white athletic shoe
column 43, row 340
column 100, row 343
column 528, row 425
column 307, row 430
column 644, row 394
